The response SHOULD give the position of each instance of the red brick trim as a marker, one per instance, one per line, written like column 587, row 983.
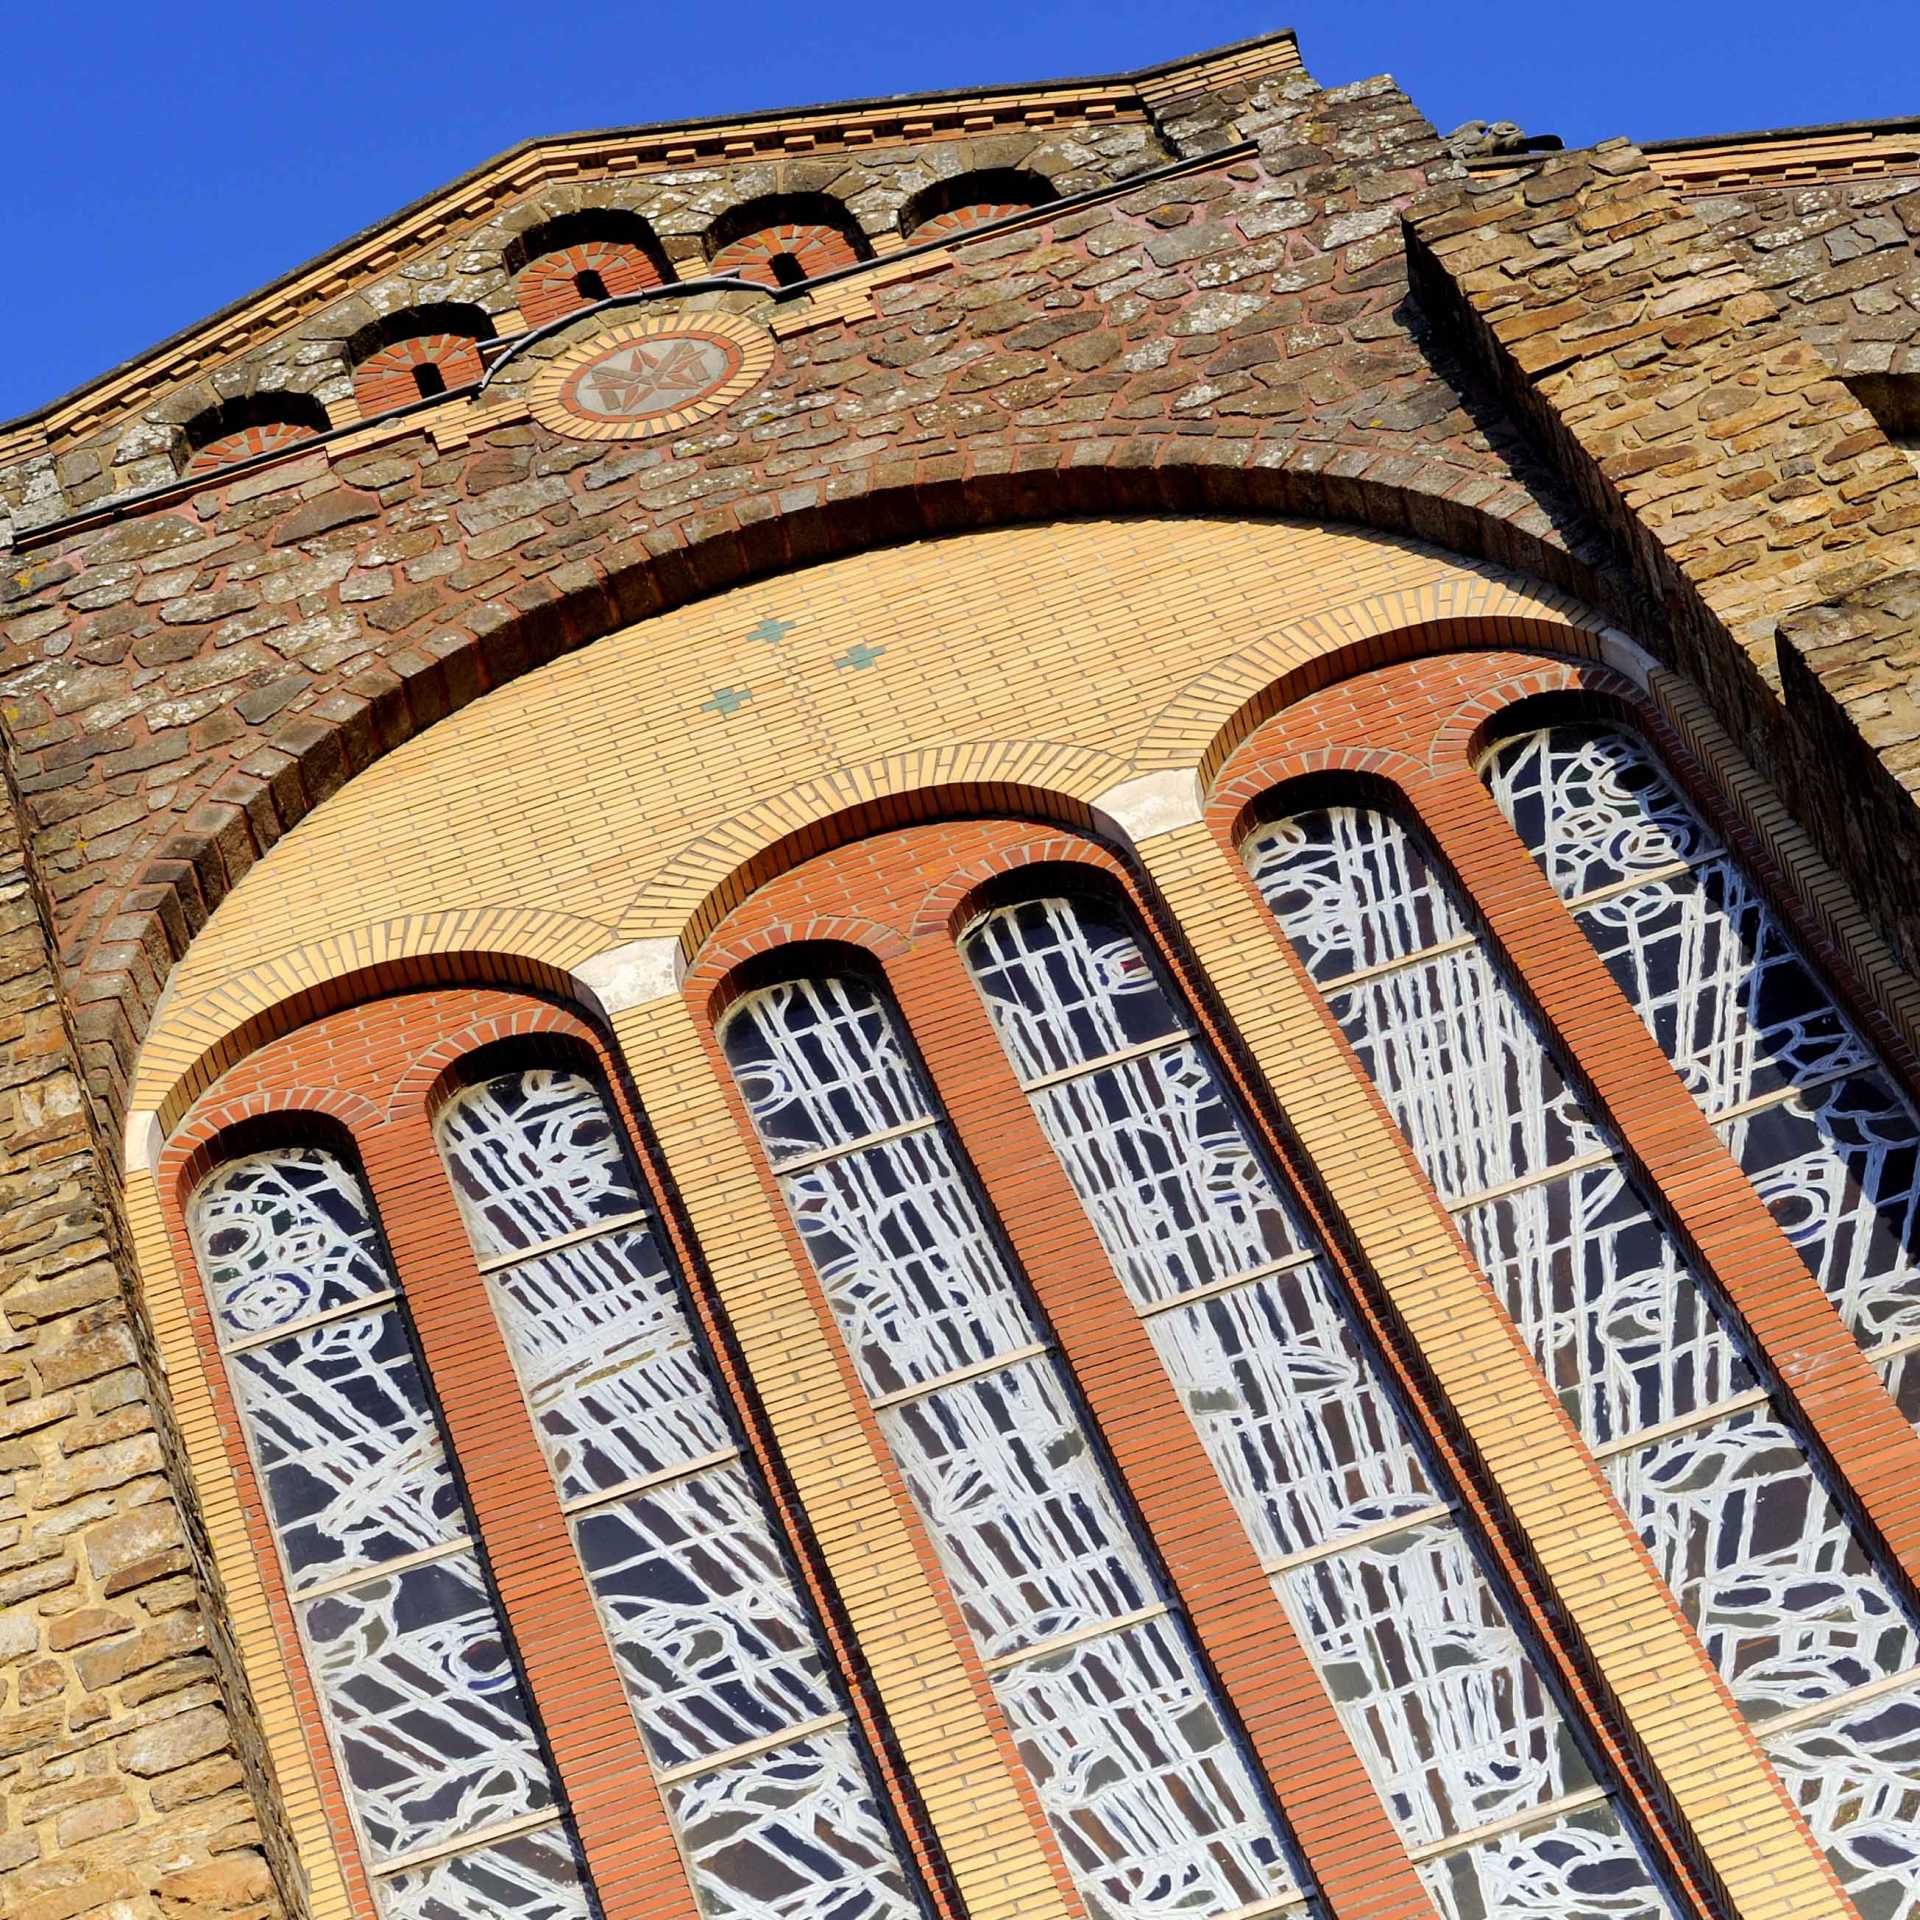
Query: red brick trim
column 391, row 377
column 915, row 885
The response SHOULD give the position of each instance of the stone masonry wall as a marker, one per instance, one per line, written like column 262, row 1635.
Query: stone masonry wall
column 1758, row 503
column 1843, row 260
column 181, row 685
column 122, row 1788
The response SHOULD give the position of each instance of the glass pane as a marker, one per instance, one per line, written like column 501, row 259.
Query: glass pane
column 1583, row 1866
column 1720, row 987
column 819, row 1064
column 714, row 1644
column 1292, row 1412
column 347, row 1448
column 1152, row 1803
column 1462, row 1070
column 1351, row 889
column 1593, row 805
column 1065, row 982
column 1172, row 1183
column 426, row 1713
column 918, row 1285
column 534, row 1155
column 791, row 1835
column 1019, row 1507
column 1766, row 1567
column 1432, row 1681
column 1839, row 1170
column 1605, row 1301
column 617, row 1387
column 1857, row 1779
column 532, row 1876
column 281, row 1236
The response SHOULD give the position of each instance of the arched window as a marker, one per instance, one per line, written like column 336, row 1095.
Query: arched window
column 1366, row 1548
column 1787, row 1602
column 970, row 200
column 1156, row 1809
column 450, row 1792
column 782, row 239
column 1793, row 1088
column 252, row 425
column 735, row 1695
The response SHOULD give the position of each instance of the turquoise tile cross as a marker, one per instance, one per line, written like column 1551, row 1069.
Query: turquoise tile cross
column 727, row 700
column 859, row 655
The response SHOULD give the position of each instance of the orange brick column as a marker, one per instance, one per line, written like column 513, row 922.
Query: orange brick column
column 577, row 1691
column 1352, row 1849
column 1838, row 1398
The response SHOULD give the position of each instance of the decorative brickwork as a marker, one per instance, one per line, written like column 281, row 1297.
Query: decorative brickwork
column 244, row 443
column 1062, row 468
column 555, row 284
column 413, row 369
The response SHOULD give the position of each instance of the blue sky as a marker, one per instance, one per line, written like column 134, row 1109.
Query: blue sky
column 165, row 159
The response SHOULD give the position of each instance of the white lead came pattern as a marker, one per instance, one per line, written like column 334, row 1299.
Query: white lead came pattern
column 1821, row 1128
column 1156, row 1809
column 1436, row 1688
column 764, row 1781
column 452, row 1799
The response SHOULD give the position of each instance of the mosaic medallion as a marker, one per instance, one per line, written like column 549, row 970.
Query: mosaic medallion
column 651, row 375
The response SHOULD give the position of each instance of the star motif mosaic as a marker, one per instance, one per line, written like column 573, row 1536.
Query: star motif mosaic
column 653, row 377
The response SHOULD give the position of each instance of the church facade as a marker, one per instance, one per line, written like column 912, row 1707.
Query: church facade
column 989, row 1007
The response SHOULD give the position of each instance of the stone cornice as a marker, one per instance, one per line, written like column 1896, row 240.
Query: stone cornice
column 476, row 197
column 1788, row 157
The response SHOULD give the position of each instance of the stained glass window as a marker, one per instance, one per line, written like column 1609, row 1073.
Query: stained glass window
column 1366, row 1551
column 451, row 1796
column 1785, row 1597
column 1826, row 1134
column 1147, row 1788
column 764, row 1777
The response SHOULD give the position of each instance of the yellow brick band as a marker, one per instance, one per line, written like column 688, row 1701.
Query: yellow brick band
column 943, row 1734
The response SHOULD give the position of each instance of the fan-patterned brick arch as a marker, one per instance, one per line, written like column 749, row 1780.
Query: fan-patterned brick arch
column 781, row 240
column 417, row 368
column 577, row 275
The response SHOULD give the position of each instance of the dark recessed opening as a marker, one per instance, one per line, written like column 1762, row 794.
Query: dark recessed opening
column 588, row 285
column 429, row 379
column 787, row 270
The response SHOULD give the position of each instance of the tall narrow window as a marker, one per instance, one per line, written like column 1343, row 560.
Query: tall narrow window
column 453, row 1802
column 1785, row 1598
column 1366, row 1552
column 1792, row 1087
column 723, row 1660
column 1156, row 1808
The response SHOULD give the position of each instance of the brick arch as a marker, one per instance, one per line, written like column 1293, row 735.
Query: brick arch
column 812, row 233
column 556, row 264
column 307, row 989
column 1253, row 775
column 1310, row 655
column 120, row 940
column 210, row 1131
